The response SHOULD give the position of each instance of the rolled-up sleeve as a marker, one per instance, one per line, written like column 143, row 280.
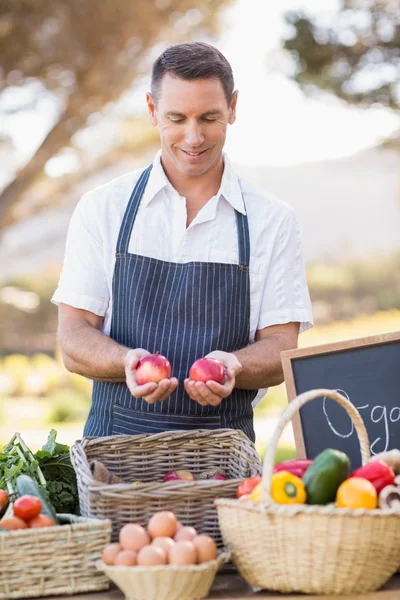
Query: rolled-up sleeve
column 285, row 298
column 83, row 282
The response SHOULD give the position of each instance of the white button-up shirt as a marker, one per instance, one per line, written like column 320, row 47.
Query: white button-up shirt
column 278, row 288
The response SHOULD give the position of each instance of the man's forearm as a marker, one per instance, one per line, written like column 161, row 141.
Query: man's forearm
column 89, row 352
column 261, row 361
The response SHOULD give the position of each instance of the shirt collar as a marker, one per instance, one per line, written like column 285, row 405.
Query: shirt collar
column 230, row 188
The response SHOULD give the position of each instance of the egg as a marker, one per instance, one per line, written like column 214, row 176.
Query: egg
column 185, row 533
column 182, row 553
column 126, row 558
column 152, row 555
column 110, row 552
column 163, row 542
column 162, row 524
column 133, row 537
column 205, row 547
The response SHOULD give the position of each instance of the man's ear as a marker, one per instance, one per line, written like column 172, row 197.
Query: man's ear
column 232, row 108
column 151, row 105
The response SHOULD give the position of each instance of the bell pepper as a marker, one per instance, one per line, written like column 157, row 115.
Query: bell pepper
column 287, row 488
column 356, row 492
column 297, row 466
column 377, row 472
column 248, row 485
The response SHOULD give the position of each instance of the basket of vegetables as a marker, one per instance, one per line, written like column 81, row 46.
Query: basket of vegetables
column 128, row 478
column 329, row 531
column 43, row 553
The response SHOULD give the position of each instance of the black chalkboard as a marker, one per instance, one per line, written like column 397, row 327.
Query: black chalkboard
column 367, row 372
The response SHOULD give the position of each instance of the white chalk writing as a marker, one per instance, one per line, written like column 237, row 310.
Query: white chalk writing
column 377, row 414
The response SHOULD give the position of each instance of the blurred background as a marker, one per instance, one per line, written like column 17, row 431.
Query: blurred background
column 318, row 125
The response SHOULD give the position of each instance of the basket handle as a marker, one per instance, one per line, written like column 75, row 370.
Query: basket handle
column 286, row 416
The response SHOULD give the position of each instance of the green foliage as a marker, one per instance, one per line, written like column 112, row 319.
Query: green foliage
column 359, row 43
column 344, row 291
column 68, row 406
column 283, row 452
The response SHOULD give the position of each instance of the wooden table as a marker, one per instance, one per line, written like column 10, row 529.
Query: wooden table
column 232, row 587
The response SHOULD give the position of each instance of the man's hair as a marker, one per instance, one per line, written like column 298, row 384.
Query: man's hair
column 192, row 60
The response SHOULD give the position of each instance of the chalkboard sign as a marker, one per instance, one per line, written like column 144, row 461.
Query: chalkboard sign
column 367, row 372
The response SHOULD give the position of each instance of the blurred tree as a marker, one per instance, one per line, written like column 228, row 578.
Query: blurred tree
column 86, row 54
column 355, row 54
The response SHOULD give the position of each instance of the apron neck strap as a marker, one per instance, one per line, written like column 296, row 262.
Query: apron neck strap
column 131, row 212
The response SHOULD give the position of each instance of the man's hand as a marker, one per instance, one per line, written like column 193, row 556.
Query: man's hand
column 212, row 392
column 150, row 392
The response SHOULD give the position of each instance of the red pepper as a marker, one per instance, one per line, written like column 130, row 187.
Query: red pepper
column 297, row 466
column 377, row 472
column 247, row 486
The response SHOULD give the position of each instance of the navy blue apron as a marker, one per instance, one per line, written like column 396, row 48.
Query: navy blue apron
column 184, row 311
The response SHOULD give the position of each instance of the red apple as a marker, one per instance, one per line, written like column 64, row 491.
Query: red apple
column 207, row 369
column 179, row 475
column 152, row 369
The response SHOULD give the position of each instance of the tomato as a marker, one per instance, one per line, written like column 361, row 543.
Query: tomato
column 247, row 486
column 13, row 523
column 3, row 499
column 27, row 507
column 41, row 521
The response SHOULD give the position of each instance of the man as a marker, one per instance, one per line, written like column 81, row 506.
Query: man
column 185, row 259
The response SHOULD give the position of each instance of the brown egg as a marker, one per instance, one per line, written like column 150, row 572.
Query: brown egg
column 182, row 553
column 133, row 537
column 162, row 524
column 163, row 542
column 110, row 552
column 205, row 547
column 185, row 534
column 152, row 555
column 125, row 558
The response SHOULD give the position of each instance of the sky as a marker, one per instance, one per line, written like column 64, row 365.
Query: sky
column 276, row 124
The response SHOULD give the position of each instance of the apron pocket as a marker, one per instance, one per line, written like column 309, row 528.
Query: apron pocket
column 131, row 422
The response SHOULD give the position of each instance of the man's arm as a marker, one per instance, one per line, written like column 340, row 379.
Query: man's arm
column 85, row 349
column 253, row 367
column 261, row 361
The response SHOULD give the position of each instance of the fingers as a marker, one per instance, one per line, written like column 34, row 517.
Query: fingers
column 210, row 393
column 162, row 391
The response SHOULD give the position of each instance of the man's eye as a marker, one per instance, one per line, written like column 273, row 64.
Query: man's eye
column 176, row 120
column 210, row 120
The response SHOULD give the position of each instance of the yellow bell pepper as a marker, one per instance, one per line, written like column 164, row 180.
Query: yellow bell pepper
column 287, row 488
column 356, row 492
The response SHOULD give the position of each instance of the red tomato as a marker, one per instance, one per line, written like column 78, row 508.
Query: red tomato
column 41, row 521
column 247, row 486
column 3, row 499
column 27, row 507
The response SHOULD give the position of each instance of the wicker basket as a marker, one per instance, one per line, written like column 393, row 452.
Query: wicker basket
column 147, row 458
column 169, row 582
column 53, row 560
column 311, row 549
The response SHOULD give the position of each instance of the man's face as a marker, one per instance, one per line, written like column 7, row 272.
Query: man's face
column 192, row 117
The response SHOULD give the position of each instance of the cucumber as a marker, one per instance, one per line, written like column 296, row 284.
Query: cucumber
column 325, row 474
column 27, row 486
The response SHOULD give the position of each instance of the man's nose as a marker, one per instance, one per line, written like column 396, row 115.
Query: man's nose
column 193, row 134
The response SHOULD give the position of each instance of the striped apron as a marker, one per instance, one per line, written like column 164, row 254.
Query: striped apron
column 184, row 311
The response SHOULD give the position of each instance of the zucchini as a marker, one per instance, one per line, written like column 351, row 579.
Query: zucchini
column 325, row 474
column 27, row 486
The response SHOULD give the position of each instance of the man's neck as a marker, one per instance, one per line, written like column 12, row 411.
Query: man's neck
column 196, row 190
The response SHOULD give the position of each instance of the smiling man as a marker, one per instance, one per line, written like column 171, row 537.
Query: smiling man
column 186, row 259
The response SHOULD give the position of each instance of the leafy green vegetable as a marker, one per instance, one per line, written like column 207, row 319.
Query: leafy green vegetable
column 60, row 476
column 50, row 467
